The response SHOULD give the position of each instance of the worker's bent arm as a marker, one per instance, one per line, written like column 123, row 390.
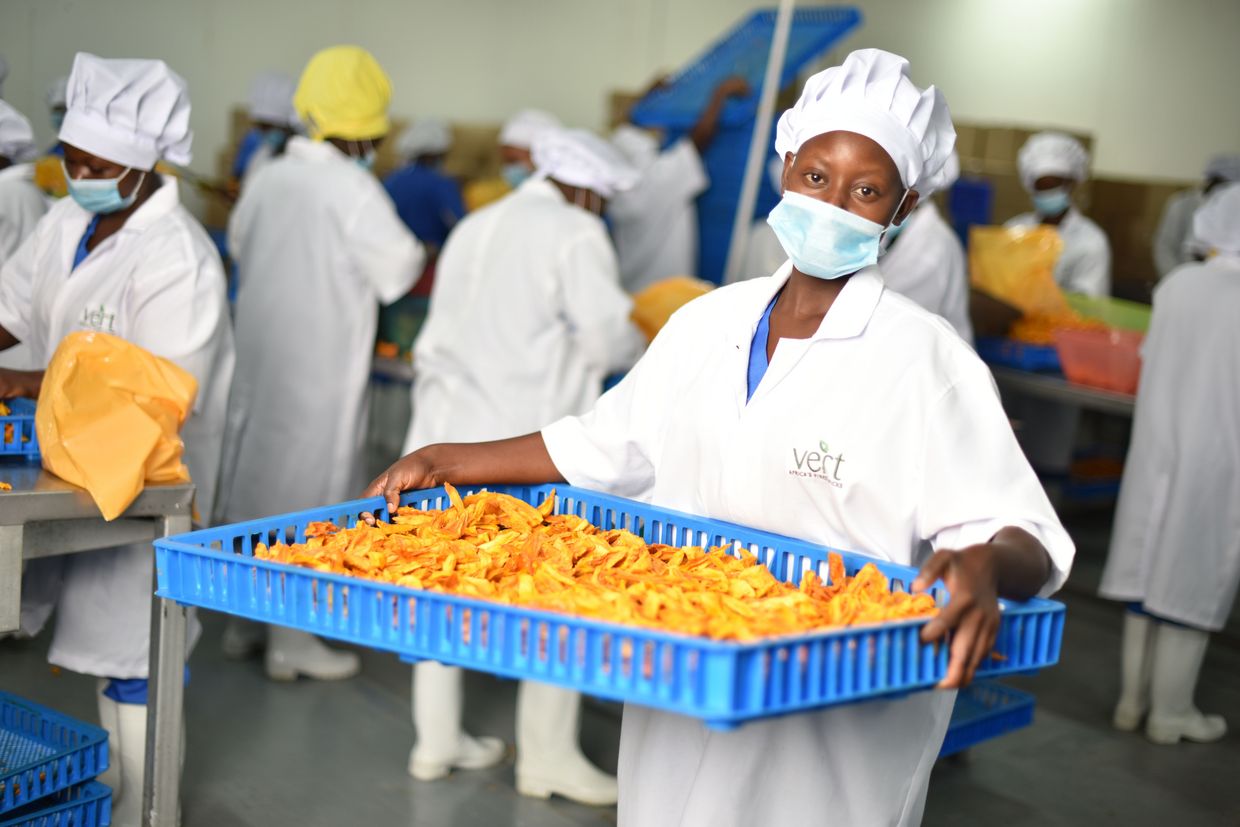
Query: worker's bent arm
column 520, row 460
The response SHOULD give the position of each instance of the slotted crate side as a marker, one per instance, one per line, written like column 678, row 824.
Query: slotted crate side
column 722, row 682
column 86, row 805
column 43, row 751
column 23, row 441
column 983, row 711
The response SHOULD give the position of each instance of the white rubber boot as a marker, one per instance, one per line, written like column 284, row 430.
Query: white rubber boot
column 441, row 745
column 242, row 638
column 291, row 653
column 549, row 758
column 108, row 719
column 1135, row 661
column 130, row 757
column 1178, row 652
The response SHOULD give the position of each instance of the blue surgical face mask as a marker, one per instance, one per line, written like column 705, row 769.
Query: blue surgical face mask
column 1049, row 203
column 366, row 161
column 515, row 174
column 58, row 120
column 101, row 195
column 274, row 139
column 823, row 240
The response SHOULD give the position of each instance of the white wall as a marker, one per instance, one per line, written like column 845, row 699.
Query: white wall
column 1154, row 81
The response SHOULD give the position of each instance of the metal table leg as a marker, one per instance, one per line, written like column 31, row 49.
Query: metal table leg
column 165, row 704
column 10, row 577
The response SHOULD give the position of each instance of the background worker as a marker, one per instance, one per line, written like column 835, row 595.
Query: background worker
column 538, row 264
column 427, row 200
column 1051, row 165
column 1172, row 240
column 272, row 122
column 122, row 244
column 318, row 247
column 21, row 205
column 516, row 137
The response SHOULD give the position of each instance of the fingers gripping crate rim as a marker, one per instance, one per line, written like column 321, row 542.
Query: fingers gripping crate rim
column 86, row 805
column 43, row 752
column 25, row 439
column 723, row 682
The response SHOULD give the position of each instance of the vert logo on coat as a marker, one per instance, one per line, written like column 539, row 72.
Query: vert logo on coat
column 98, row 318
column 818, row 463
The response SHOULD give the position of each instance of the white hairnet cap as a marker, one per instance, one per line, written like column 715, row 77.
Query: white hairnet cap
column 637, row 145
column 1216, row 224
column 522, row 128
column 131, row 112
column 428, row 136
column 871, row 94
column 16, row 136
column 58, row 92
column 271, row 99
column 1051, row 153
column 1225, row 167
column 946, row 176
column 582, row 159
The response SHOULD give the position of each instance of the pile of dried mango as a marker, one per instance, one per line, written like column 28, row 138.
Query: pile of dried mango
column 1040, row 330
column 496, row 547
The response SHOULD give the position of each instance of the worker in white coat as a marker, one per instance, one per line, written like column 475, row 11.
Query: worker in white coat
column 655, row 224
column 925, row 260
column 122, row 256
column 539, row 265
column 318, row 247
column 816, row 354
column 21, row 205
column 1175, row 550
column 1173, row 238
column 1051, row 164
column 272, row 122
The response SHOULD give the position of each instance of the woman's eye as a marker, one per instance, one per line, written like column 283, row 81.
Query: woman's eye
column 814, row 178
column 867, row 192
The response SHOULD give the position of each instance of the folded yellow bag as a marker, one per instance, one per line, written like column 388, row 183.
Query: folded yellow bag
column 109, row 417
column 653, row 306
column 1017, row 265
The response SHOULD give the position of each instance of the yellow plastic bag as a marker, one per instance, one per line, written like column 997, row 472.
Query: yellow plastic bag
column 653, row 306
column 1016, row 265
column 108, row 418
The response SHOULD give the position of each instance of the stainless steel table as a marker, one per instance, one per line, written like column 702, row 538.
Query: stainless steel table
column 1055, row 387
column 44, row 516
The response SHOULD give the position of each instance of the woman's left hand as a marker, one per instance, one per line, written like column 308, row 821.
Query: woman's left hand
column 972, row 613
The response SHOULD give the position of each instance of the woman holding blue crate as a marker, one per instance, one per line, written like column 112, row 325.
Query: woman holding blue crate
column 817, row 404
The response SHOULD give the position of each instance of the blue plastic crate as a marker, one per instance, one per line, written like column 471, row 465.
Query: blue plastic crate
column 970, row 202
column 43, row 752
column 87, row 805
column 1010, row 353
column 985, row 710
column 724, row 683
column 24, row 441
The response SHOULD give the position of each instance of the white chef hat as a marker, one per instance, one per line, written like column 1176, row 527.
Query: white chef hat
column 1051, row 153
column 16, row 136
column 1225, row 166
column 582, row 159
column 1216, row 224
column 427, row 136
column 522, row 128
column 58, row 92
column 637, row 145
column 131, row 112
column 946, row 176
column 271, row 99
column 871, row 94
column 775, row 172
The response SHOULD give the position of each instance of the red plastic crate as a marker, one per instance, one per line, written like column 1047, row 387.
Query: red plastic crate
column 1106, row 359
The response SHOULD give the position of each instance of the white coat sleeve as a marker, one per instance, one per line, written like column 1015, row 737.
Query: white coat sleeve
column 17, row 290
column 595, row 307
column 974, row 479
column 1169, row 237
column 1091, row 273
column 680, row 166
column 612, row 447
column 385, row 253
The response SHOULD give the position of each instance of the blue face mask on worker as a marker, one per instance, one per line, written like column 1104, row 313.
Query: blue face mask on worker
column 363, row 154
column 515, row 174
column 274, row 139
column 58, row 120
column 102, row 195
column 822, row 240
column 1050, row 203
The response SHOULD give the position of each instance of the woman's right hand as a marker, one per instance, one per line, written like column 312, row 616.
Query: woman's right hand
column 406, row 474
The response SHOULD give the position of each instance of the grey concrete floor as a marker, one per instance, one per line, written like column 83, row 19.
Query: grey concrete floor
column 328, row 755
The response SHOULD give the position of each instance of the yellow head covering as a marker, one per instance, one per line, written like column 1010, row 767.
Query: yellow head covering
column 344, row 93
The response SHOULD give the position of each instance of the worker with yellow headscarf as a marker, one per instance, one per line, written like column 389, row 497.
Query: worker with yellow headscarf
column 319, row 247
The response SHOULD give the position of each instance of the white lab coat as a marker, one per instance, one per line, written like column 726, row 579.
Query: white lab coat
column 1176, row 543
column 22, row 204
column 526, row 320
column 1174, row 230
column 883, row 433
column 157, row 282
column 763, row 254
column 1084, row 266
column 655, row 224
column 318, row 247
column 926, row 263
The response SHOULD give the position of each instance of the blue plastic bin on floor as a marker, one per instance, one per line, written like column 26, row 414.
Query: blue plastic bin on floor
column 43, row 752
column 986, row 710
column 23, row 442
column 725, row 683
column 1010, row 353
column 87, row 805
